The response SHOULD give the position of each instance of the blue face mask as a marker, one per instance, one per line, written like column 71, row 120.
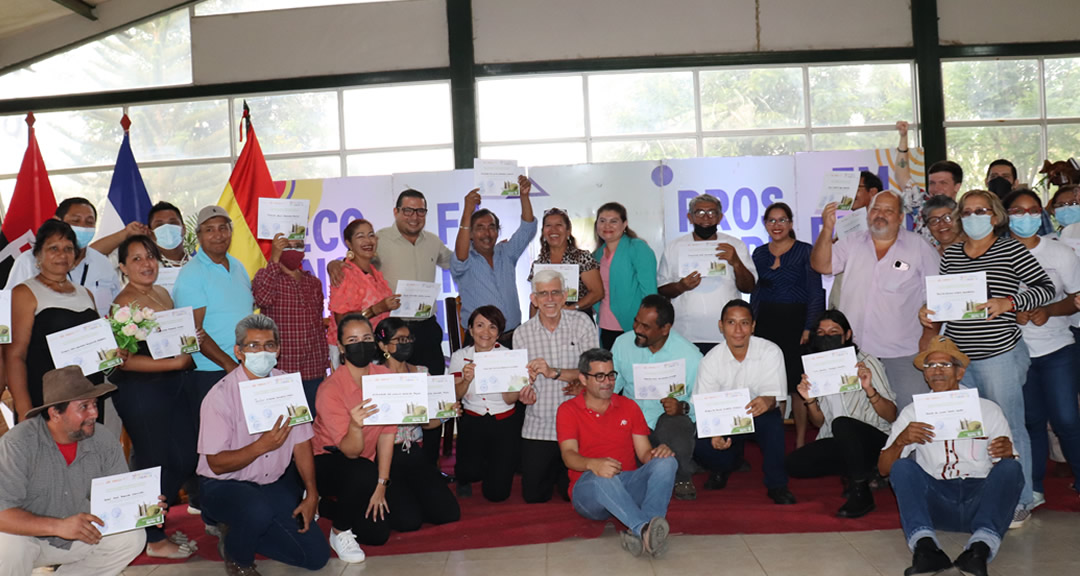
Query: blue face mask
column 83, row 236
column 1067, row 215
column 977, row 227
column 168, row 236
column 1025, row 225
column 260, row 363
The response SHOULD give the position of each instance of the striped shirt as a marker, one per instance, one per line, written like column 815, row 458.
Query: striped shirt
column 1007, row 264
column 793, row 282
column 855, row 404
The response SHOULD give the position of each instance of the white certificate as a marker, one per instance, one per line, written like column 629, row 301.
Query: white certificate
column 5, row 316
column 570, row 273
column 660, row 380
column 723, row 413
column 89, row 346
column 955, row 296
column 839, row 187
column 8, row 415
column 854, row 222
column 441, row 396
column 174, row 335
column 265, row 399
column 281, row 216
column 401, row 398
column 496, row 177
column 166, row 278
column 501, row 371
column 417, row 299
column 701, row 257
column 954, row 414
column 832, row 372
column 127, row 501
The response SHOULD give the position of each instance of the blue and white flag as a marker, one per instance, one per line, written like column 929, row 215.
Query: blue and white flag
column 127, row 201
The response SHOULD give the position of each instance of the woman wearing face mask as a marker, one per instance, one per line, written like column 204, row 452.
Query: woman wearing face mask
column 293, row 297
column 1065, row 207
column 786, row 299
column 352, row 459
column 419, row 493
column 1015, row 283
column 627, row 270
column 558, row 246
column 853, row 426
column 363, row 288
column 487, row 440
column 148, row 392
column 1051, row 388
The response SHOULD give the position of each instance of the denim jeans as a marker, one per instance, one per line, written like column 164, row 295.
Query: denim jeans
column 1050, row 395
column 981, row 506
column 1001, row 379
column 633, row 497
column 769, row 433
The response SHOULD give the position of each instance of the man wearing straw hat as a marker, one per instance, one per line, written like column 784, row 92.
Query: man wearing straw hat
column 46, row 466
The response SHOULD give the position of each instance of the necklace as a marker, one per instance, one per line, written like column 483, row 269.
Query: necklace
column 54, row 285
column 150, row 295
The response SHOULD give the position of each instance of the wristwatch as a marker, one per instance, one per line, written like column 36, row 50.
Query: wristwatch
column 384, row 482
column 685, row 407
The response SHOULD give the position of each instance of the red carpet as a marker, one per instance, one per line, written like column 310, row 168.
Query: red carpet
column 742, row 507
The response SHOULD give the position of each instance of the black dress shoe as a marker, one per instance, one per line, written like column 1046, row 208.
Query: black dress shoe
column 716, row 481
column 860, row 501
column 973, row 560
column 781, row 495
column 449, row 479
column 928, row 558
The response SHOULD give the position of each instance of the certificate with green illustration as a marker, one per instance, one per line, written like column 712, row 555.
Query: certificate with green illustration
column 282, row 216
column 570, row 274
column 659, row 380
column 441, row 396
column 954, row 414
column 839, row 187
column 127, row 501
column 501, row 371
column 89, row 346
column 701, row 257
column 832, row 372
column 174, row 335
column 723, row 413
column 417, row 299
column 956, row 296
column 497, row 177
column 401, row 398
column 266, row 399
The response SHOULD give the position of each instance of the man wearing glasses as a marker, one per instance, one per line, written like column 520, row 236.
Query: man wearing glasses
column 602, row 437
column 965, row 485
column 555, row 339
column 698, row 300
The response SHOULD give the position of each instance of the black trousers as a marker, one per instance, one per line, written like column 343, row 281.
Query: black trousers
column 196, row 386
column 487, row 452
column 852, row 452
column 542, row 469
column 417, row 492
column 428, row 352
column 346, row 486
column 680, row 434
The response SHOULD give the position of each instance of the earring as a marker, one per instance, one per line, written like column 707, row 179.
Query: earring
column 386, row 355
column 350, row 255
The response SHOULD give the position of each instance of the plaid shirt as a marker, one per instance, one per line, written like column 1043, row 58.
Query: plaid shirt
column 297, row 307
column 575, row 334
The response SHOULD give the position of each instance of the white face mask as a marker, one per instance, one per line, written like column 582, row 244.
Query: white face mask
column 168, row 236
column 260, row 363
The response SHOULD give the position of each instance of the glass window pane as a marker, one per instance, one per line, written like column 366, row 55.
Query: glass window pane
column 991, row 89
column 212, row 7
column 860, row 94
column 94, row 186
column 188, row 187
column 7, row 188
column 305, row 168
column 856, row 140
column 633, row 150
column 180, row 130
column 1062, row 80
column 1063, row 141
column 67, row 139
column 769, row 145
column 558, row 154
column 641, row 103
column 154, row 53
column 745, row 99
column 398, row 116
column 531, row 108
column 975, row 148
column 376, row 163
column 305, row 122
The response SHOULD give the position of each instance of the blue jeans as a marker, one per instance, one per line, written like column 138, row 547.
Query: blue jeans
column 981, row 506
column 769, row 433
column 633, row 497
column 1050, row 395
column 1000, row 379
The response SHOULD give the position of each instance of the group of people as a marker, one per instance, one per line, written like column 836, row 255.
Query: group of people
column 577, row 431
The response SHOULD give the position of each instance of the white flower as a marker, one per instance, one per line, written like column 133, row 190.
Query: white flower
column 137, row 316
column 141, row 334
column 148, row 313
column 123, row 315
column 129, row 329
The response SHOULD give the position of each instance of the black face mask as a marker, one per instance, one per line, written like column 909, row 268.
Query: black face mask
column 826, row 343
column 360, row 354
column 403, row 352
column 999, row 186
column 705, row 232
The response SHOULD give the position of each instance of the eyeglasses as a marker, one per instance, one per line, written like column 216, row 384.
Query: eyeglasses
column 773, row 221
column 410, row 211
column 1035, row 210
column 704, row 213
column 937, row 365
column 259, row 347
column 549, row 294
column 602, row 376
column 935, row 220
column 977, row 212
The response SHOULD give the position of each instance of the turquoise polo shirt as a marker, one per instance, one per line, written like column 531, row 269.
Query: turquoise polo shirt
column 226, row 295
column 627, row 354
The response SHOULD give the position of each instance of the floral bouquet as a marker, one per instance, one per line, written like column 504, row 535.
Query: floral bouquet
column 131, row 325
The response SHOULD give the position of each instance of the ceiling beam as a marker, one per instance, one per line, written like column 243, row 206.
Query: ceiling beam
column 79, row 7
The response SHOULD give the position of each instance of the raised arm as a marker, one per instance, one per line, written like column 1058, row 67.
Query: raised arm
column 903, row 156
column 464, row 233
column 524, row 188
column 821, row 254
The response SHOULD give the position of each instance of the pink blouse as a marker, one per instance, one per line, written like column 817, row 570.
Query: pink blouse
column 357, row 291
column 608, row 321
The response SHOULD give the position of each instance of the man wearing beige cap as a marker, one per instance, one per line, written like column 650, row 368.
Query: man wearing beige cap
column 965, row 485
column 46, row 466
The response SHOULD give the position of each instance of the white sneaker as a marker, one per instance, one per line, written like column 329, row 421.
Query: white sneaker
column 1019, row 517
column 344, row 544
column 1040, row 499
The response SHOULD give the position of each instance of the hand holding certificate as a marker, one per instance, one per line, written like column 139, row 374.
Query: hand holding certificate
column 839, row 187
column 660, row 380
column 954, row 414
column 501, row 371
column 417, row 299
column 854, row 222
column 442, row 396
column 401, row 398
column 832, row 372
column 91, row 346
column 956, row 296
column 127, row 501
column 570, row 274
column 701, row 257
column 174, row 335
column 282, row 216
column 723, row 413
column 266, row 399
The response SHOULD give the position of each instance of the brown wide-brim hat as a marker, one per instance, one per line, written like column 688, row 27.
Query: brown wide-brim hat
column 67, row 385
column 944, row 345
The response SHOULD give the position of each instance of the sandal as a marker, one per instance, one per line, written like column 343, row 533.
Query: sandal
column 184, row 551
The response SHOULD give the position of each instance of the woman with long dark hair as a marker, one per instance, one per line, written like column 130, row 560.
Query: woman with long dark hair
column 628, row 271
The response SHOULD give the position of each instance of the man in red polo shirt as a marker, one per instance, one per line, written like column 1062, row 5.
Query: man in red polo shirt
column 602, row 437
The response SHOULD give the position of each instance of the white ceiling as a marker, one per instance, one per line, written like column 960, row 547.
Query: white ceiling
column 19, row 15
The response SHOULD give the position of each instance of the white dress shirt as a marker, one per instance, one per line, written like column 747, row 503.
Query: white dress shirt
column 762, row 370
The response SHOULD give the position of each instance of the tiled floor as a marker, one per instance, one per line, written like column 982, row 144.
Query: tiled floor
column 1048, row 545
